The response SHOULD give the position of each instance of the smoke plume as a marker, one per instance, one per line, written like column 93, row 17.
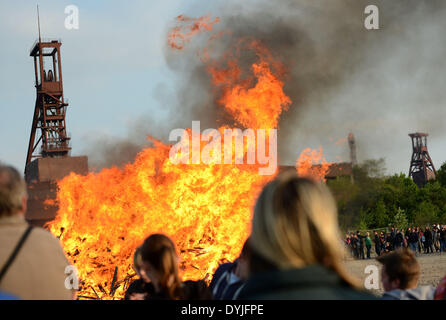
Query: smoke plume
column 379, row 84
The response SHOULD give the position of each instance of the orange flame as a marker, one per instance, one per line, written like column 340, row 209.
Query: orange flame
column 312, row 164
column 205, row 209
column 253, row 106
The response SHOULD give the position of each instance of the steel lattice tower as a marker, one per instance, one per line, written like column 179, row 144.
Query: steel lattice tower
column 421, row 166
column 352, row 145
column 50, row 107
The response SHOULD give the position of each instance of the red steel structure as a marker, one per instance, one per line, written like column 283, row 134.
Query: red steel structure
column 421, row 166
column 50, row 107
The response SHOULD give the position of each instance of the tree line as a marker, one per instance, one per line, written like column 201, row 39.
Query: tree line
column 375, row 200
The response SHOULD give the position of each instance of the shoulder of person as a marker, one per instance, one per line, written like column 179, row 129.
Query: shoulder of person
column 222, row 269
column 47, row 246
column 44, row 236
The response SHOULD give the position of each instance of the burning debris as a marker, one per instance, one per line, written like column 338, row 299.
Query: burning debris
column 187, row 28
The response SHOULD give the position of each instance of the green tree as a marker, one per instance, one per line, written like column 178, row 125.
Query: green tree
column 400, row 219
column 363, row 225
column 441, row 175
column 380, row 214
column 375, row 200
column 426, row 213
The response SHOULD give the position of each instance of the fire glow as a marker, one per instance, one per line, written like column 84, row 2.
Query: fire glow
column 255, row 150
column 206, row 208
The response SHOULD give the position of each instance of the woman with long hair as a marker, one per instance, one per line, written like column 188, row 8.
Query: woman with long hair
column 140, row 288
column 160, row 263
column 296, row 251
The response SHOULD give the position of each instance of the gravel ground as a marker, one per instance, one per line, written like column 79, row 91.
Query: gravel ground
column 433, row 269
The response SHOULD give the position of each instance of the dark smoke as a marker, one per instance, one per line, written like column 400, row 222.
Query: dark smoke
column 380, row 84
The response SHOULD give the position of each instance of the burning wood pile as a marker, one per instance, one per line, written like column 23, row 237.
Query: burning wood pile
column 205, row 208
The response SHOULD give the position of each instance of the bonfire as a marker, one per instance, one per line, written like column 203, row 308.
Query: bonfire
column 205, row 208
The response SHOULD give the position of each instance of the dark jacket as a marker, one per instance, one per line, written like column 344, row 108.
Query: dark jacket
column 420, row 293
column 311, row 283
column 376, row 240
column 413, row 237
column 361, row 241
column 428, row 235
column 139, row 286
column 221, row 285
column 399, row 238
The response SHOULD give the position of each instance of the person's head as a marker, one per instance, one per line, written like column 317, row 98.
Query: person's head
column 13, row 194
column 427, row 228
column 367, row 234
column 160, row 263
column 137, row 265
column 400, row 270
column 295, row 225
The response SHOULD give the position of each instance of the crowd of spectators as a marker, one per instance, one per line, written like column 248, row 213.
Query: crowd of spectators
column 426, row 240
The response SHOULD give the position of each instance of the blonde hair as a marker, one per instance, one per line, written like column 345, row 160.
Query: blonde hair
column 295, row 225
column 12, row 190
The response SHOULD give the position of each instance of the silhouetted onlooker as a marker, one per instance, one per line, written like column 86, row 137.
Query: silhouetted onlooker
column 368, row 244
column 428, row 240
column 142, row 288
column 229, row 278
column 400, row 274
column 377, row 244
column 435, row 238
column 160, row 263
column 361, row 245
column 413, row 240
column 392, row 239
column 442, row 239
column 399, row 239
column 32, row 261
column 295, row 252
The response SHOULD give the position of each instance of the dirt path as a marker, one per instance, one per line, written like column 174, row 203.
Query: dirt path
column 433, row 269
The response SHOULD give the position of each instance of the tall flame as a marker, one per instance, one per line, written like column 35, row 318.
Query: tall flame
column 205, row 209
column 255, row 101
